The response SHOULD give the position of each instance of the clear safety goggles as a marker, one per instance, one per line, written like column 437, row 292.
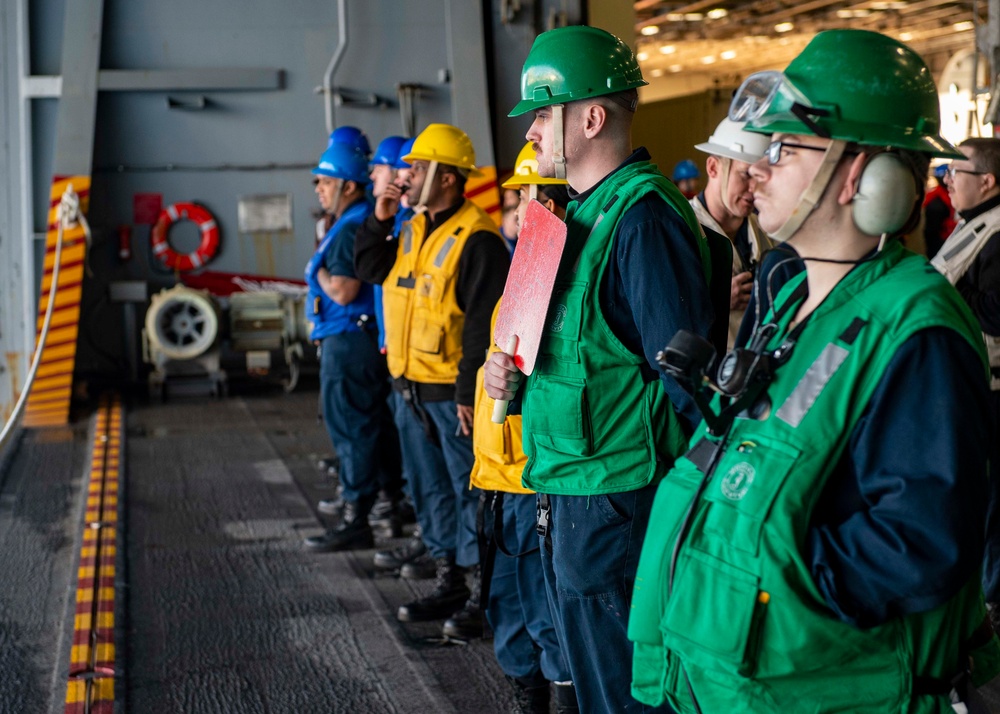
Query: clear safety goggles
column 772, row 93
column 760, row 91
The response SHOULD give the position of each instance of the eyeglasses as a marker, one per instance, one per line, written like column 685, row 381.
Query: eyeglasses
column 773, row 153
column 952, row 170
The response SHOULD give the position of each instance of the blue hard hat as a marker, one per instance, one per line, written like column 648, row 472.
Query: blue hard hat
column 404, row 150
column 343, row 162
column 685, row 169
column 940, row 171
column 387, row 151
column 352, row 136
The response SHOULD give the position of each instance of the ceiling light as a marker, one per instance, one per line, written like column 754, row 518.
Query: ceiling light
column 784, row 27
column 906, row 36
column 693, row 16
column 642, row 56
column 728, row 54
column 717, row 13
column 845, row 14
column 962, row 26
column 675, row 17
column 667, row 49
column 675, row 67
column 649, row 30
column 708, row 59
column 862, row 13
column 657, row 72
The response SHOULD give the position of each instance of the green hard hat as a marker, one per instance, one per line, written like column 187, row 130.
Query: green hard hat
column 851, row 85
column 578, row 62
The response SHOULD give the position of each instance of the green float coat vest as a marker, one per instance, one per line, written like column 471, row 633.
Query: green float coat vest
column 744, row 617
column 592, row 424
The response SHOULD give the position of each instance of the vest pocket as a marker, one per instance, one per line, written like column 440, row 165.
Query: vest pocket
column 561, row 419
column 744, row 487
column 714, row 614
column 428, row 337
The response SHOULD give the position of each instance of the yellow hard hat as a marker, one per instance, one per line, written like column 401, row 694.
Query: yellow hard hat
column 526, row 171
column 445, row 144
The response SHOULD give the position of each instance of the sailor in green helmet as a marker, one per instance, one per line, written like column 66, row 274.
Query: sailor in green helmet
column 600, row 424
column 819, row 549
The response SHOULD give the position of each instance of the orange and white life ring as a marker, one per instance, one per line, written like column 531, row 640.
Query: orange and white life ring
column 209, row 236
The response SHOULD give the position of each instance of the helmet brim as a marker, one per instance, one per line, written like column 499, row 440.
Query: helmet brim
column 727, row 153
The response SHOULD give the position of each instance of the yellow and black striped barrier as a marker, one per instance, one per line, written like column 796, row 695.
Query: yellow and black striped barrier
column 49, row 400
column 91, row 687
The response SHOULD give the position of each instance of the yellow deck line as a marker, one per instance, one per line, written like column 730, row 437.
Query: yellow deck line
column 92, row 660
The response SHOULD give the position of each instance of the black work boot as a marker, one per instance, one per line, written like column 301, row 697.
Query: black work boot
column 530, row 697
column 423, row 567
column 333, row 506
column 353, row 533
column 385, row 515
column 564, row 695
column 467, row 623
column 397, row 557
column 449, row 593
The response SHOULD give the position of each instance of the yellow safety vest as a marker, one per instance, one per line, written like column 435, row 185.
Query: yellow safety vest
column 500, row 458
column 423, row 322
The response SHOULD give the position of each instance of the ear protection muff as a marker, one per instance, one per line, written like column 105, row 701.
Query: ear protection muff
column 886, row 196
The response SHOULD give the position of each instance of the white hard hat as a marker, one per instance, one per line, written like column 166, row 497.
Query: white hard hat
column 732, row 142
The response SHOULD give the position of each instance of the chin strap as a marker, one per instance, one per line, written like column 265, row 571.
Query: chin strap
column 724, row 184
column 558, row 153
column 425, row 190
column 533, row 192
column 814, row 191
column 335, row 206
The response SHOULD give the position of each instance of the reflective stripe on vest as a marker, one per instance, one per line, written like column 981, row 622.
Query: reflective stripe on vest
column 812, row 383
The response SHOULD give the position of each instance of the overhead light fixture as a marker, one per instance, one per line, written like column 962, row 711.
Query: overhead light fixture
column 906, row 36
column 845, row 14
column 963, row 26
column 717, row 13
column 728, row 54
column 675, row 17
column 708, row 59
column 784, row 27
column 650, row 30
column 675, row 68
column 657, row 72
column 693, row 16
column 667, row 49
column 642, row 56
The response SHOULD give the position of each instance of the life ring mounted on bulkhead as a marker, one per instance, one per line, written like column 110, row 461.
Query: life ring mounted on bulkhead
column 205, row 251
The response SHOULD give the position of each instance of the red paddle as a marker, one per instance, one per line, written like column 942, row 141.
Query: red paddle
column 521, row 320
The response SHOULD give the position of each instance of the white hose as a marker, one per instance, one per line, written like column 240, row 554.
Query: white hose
column 68, row 215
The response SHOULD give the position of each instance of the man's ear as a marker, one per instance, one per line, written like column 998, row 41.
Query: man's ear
column 989, row 182
column 713, row 166
column 446, row 178
column 549, row 204
column 851, row 184
column 594, row 119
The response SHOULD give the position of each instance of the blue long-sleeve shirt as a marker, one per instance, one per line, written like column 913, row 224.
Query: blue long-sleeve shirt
column 880, row 544
column 899, row 528
column 654, row 286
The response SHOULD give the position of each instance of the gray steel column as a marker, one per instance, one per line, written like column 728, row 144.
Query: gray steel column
column 81, row 52
column 469, row 95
